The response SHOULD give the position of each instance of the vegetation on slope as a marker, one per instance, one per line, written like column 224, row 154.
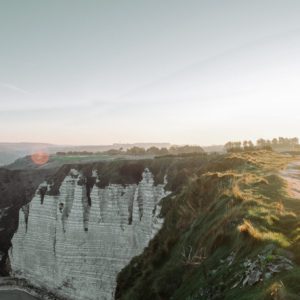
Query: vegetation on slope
column 177, row 169
column 231, row 232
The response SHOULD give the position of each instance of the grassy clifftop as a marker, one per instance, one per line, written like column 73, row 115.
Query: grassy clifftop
column 231, row 232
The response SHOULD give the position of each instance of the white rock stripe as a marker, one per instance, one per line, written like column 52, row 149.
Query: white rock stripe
column 76, row 251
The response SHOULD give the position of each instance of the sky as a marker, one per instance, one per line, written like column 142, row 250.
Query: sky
column 184, row 72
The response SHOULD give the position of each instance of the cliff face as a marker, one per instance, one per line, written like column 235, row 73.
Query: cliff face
column 16, row 189
column 75, row 243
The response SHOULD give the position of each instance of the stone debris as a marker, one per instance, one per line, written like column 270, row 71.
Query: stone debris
column 252, row 271
column 263, row 267
column 230, row 259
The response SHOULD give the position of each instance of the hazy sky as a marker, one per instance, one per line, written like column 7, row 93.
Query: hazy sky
column 99, row 72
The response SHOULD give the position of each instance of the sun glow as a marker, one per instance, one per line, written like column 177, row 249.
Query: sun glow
column 40, row 158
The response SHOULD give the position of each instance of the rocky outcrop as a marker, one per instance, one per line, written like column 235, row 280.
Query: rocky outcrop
column 16, row 189
column 74, row 244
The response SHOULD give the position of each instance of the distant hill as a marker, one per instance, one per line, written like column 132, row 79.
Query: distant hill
column 9, row 152
column 100, row 148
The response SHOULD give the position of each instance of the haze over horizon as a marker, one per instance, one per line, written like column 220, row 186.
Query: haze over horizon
column 184, row 72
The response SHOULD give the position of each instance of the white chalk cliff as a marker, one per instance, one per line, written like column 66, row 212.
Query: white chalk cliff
column 76, row 250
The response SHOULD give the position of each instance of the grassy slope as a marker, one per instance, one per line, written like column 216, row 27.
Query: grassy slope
column 236, row 206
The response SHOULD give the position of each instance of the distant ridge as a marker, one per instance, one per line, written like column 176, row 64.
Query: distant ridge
column 10, row 151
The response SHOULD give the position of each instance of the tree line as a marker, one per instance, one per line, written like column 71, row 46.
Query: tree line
column 262, row 144
column 173, row 150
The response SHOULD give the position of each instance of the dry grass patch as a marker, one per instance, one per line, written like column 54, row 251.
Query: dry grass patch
column 248, row 229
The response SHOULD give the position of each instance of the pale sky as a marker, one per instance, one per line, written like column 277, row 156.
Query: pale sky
column 101, row 72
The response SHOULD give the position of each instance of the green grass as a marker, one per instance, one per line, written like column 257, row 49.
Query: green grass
column 234, row 204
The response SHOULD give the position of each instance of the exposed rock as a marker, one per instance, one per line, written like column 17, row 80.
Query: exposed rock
column 16, row 189
column 262, row 267
column 75, row 244
column 230, row 259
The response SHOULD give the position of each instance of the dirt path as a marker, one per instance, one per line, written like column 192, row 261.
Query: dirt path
column 292, row 176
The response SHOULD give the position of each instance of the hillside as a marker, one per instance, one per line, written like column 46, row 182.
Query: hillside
column 9, row 152
column 232, row 232
column 89, row 220
column 20, row 183
column 230, row 223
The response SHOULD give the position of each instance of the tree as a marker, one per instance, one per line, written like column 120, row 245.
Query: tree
column 228, row 146
column 163, row 151
column 233, row 146
column 153, row 150
column 61, row 153
column 185, row 149
column 261, row 143
column 237, row 145
column 250, row 145
column 113, row 152
column 136, row 151
column 268, row 143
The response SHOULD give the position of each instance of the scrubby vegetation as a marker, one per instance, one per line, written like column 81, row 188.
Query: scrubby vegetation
column 230, row 232
column 177, row 168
